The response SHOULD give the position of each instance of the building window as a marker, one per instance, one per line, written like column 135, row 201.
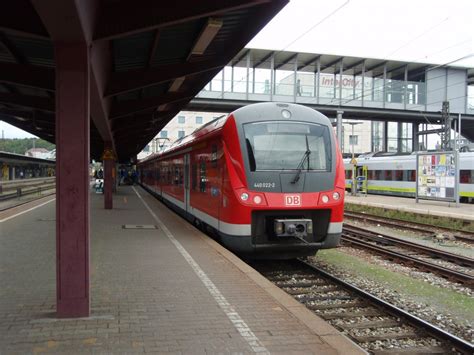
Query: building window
column 180, row 134
column 181, row 119
column 164, row 134
column 198, row 119
column 353, row 140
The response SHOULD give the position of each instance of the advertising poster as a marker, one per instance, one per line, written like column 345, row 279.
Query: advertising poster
column 436, row 175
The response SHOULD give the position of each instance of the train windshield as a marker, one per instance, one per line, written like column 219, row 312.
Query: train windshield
column 281, row 146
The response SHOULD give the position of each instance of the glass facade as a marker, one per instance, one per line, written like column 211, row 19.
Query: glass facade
column 327, row 80
column 309, row 83
column 377, row 136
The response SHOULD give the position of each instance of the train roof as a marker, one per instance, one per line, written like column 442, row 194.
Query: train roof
column 181, row 143
column 213, row 126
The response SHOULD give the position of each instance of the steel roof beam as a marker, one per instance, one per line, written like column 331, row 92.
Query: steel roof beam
column 391, row 70
column 154, row 46
column 117, row 19
column 381, row 64
column 286, row 61
column 305, row 64
column 353, row 65
column 20, row 17
column 11, row 49
column 125, row 108
column 32, row 76
column 131, row 80
column 241, row 57
column 40, row 116
column 28, row 101
column 263, row 60
column 330, row 64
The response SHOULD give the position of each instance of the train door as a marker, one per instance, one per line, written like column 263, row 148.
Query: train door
column 187, row 171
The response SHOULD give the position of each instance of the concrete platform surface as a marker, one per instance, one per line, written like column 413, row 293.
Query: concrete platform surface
column 165, row 290
column 436, row 208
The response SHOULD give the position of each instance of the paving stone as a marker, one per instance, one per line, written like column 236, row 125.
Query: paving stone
column 149, row 298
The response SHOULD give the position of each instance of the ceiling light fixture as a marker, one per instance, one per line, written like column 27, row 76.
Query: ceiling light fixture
column 176, row 84
column 206, row 36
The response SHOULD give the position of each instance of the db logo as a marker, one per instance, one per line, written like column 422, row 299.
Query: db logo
column 292, row 200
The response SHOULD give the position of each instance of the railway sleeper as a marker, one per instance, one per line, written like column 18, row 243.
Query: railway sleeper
column 412, row 351
column 299, row 284
column 340, row 315
column 287, row 277
column 371, row 324
column 324, row 298
column 293, row 292
column 386, row 336
column 336, row 305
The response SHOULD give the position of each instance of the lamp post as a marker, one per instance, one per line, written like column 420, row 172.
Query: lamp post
column 353, row 161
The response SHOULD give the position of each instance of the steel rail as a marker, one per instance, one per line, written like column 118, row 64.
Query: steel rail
column 463, row 278
column 384, row 238
column 460, row 344
column 414, row 226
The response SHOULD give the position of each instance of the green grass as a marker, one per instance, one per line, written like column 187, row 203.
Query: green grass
column 412, row 217
column 447, row 301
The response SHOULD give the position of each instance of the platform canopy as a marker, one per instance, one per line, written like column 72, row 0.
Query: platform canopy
column 148, row 60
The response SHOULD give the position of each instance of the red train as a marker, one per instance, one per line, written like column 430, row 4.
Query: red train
column 268, row 178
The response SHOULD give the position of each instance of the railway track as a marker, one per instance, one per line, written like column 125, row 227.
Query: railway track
column 30, row 195
column 374, row 324
column 418, row 227
column 453, row 267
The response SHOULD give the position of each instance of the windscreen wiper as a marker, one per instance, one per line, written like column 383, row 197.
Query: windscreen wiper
column 301, row 164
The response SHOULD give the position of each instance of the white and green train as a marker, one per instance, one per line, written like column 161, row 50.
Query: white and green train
column 396, row 175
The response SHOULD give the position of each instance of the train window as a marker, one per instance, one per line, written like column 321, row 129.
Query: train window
column 214, row 155
column 276, row 145
column 348, row 174
column 370, row 175
column 378, row 175
column 388, row 174
column 168, row 175
column 194, row 176
column 466, row 176
column 411, row 175
column 202, row 176
column 398, row 175
column 176, row 175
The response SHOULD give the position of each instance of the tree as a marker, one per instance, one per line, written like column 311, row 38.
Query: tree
column 21, row 145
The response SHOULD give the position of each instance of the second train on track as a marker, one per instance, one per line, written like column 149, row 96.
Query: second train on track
column 268, row 179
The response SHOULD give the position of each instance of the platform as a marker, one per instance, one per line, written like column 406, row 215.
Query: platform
column 170, row 289
column 436, row 208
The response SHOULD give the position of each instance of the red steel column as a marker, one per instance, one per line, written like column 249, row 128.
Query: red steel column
column 109, row 162
column 72, row 181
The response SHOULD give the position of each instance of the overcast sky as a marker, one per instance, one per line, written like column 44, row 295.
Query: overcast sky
column 426, row 31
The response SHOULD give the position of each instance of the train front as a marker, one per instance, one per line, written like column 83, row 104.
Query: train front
column 286, row 182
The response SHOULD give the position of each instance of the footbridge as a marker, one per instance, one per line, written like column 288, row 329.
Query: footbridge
column 349, row 87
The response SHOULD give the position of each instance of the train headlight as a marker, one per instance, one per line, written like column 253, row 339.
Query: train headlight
column 286, row 114
column 244, row 196
column 325, row 199
column 336, row 196
column 257, row 200
column 309, row 227
column 279, row 227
